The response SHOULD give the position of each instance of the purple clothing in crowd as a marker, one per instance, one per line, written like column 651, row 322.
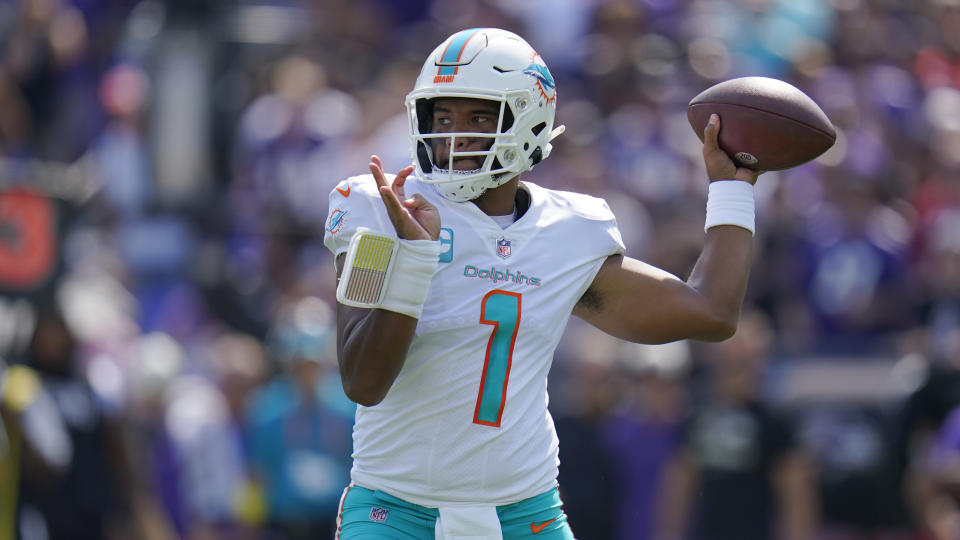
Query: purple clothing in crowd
column 640, row 448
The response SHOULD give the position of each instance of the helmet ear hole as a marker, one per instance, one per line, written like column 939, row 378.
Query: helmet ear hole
column 536, row 156
column 538, row 128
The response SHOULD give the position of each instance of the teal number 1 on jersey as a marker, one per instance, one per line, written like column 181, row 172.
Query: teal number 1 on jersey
column 502, row 310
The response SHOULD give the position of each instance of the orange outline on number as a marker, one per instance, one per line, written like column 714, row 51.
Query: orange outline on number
column 486, row 359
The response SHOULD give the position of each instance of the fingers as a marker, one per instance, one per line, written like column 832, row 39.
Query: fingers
column 400, row 179
column 719, row 165
column 400, row 209
column 403, row 173
column 403, row 215
column 416, row 202
column 376, row 168
column 711, row 133
column 400, row 194
column 392, row 197
column 425, row 214
column 392, row 202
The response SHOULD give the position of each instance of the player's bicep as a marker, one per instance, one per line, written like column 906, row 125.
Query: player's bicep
column 638, row 302
column 347, row 316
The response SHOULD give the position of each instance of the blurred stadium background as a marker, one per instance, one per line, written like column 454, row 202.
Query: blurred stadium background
column 164, row 171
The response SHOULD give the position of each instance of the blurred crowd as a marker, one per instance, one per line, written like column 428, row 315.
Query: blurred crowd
column 167, row 365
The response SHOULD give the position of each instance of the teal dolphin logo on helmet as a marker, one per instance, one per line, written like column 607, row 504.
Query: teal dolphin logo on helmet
column 542, row 74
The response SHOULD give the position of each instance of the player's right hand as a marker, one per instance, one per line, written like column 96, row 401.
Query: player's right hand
column 719, row 164
column 413, row 218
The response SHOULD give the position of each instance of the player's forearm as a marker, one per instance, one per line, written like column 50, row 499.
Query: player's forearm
column 721, row 276
column 372, row 346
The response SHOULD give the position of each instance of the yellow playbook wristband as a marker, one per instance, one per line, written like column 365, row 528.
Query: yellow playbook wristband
column 385, row 272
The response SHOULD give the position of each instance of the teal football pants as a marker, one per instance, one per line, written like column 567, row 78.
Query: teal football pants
column 374, row 515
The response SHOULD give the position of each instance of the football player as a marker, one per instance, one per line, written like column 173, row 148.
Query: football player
column 456, row 280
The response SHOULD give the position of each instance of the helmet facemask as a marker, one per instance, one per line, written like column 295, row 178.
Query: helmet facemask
column 500, row 159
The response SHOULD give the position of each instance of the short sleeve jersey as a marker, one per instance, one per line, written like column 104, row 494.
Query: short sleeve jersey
column 466, row 420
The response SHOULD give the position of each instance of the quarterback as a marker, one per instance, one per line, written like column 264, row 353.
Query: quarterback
column 456, row 280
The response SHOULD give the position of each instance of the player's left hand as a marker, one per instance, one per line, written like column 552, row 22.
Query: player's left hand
column 719, row 164
column 414, row 218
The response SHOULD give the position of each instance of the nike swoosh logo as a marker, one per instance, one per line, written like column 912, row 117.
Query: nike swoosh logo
column 537, row 528
column 344, row 192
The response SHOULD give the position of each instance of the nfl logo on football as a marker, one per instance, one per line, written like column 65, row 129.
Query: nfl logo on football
column 503, row 248
column 378, row 514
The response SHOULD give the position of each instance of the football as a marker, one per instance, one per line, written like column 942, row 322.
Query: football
column 765, row 124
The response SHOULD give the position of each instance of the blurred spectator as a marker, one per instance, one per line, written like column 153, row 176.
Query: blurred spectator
column 644, row 431
column 15, row 121
column 739, row 473
column 935, row 483
column 293, row 141
column 33, row 439
column 87, row 500
column 300, row 445
column 856, row 458
column 213, row 495
column 120, row 151
column 160, row 514
column 928, row 422
column 47, row 51
column 590, row 392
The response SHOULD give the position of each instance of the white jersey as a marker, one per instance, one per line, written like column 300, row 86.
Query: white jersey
column 466, row 420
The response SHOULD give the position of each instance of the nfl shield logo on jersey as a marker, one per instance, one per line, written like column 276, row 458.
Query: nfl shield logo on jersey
column 503, row 247
column 378, row 514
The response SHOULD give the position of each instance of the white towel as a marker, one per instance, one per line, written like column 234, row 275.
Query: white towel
column 468, row 523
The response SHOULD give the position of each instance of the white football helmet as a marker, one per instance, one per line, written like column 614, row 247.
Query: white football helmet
column 495, row 65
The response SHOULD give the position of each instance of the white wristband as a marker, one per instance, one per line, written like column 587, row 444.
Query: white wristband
column 381, row 271
column 730, row 202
